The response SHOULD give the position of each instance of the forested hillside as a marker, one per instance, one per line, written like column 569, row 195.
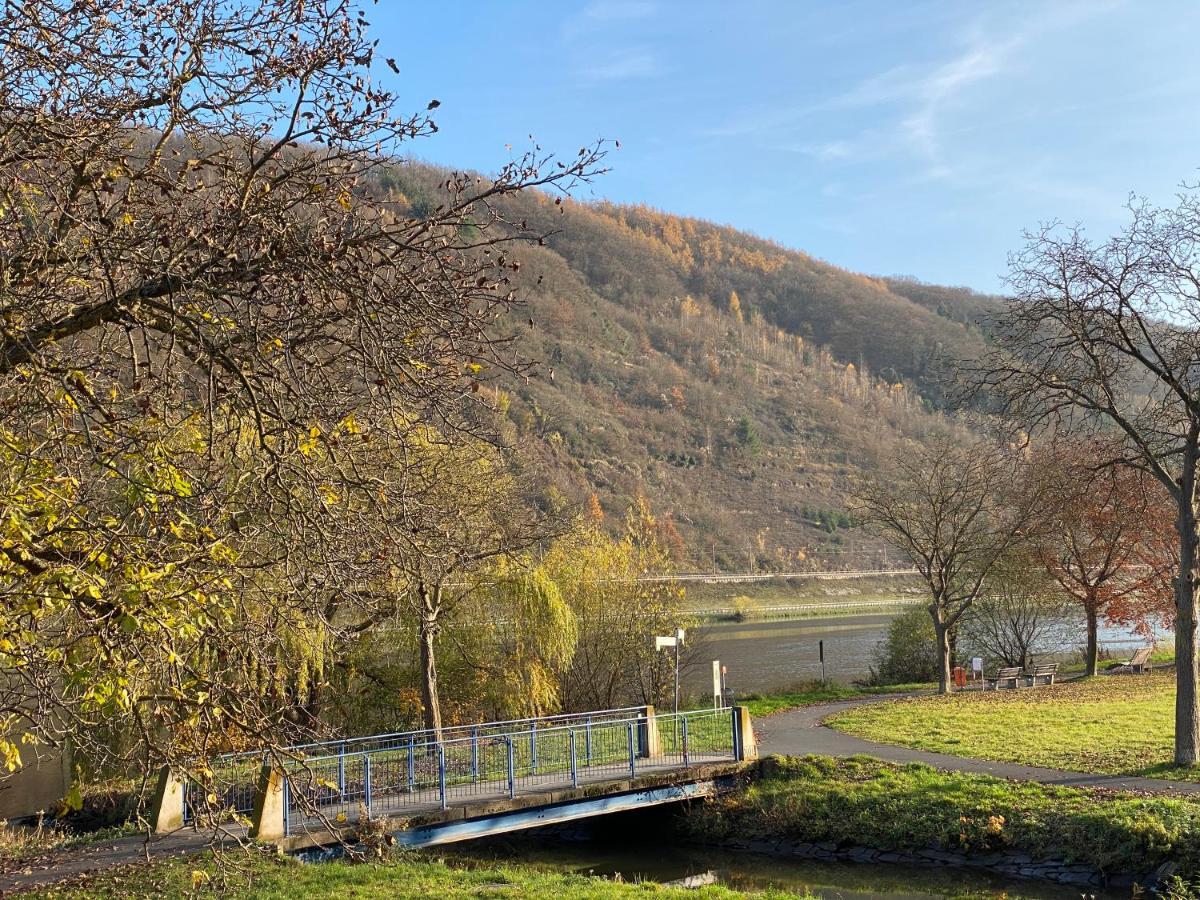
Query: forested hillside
column 739, row 385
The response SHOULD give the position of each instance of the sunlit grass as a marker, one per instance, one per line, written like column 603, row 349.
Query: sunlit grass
column 1113, row 725
column 811, row 692
column 267, row 878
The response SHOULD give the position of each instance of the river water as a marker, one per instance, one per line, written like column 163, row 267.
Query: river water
column 775, row 655
column 635, row 850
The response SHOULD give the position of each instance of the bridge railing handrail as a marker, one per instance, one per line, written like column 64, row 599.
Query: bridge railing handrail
column 356, row 742
column 586, row 720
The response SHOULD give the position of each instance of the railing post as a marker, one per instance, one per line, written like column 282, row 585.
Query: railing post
column 574, row 762
column 367, row 783
column 512, row 772
column 632, row 751
column 412, row 764
column 744, row 746
column 588, row 738
column 475, row 753
column 342, row 772
column 648, row 740
column 686, row 757
column 287, row 806
column 533, row 748
column 269, row 821
column 170, row 802
column 442, row 774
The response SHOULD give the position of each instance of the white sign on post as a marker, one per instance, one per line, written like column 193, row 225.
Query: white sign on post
column 676, row 641
column 977, row 667
column 716, row 684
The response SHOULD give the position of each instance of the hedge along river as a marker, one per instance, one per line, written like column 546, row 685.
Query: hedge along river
column 774, row 655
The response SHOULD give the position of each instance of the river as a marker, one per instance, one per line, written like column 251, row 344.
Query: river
column 637, row 847
column 774, row 655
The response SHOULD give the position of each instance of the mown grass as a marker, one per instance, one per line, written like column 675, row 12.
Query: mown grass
column 866, row 802
column 265, row 877
column 809, row 693
column 1113, row 725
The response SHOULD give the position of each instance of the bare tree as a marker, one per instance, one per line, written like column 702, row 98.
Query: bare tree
column 1104, row 338
column 1020, row 611
column 473, row 514
column 954, row 511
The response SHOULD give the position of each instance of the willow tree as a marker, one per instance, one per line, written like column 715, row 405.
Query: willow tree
column 533, row 638
column 619, row 608
column 1104, row 338
column 202, row 289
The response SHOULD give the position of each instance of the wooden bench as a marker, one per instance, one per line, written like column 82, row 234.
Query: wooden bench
column 1003, row 678
column 1046, row 672
column 1140, row 663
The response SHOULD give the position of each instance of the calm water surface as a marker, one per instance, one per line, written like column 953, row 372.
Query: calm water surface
column 774, row 655
column 642, row 857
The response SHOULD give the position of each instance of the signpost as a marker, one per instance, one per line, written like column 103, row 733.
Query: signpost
column 821, row 651
column 664, row 643
column 716, row 684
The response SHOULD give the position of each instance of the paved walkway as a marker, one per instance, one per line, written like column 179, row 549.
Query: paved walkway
column 800, row 732
column 71, row 865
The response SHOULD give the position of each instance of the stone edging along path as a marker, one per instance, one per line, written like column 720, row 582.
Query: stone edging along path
column 802, row 732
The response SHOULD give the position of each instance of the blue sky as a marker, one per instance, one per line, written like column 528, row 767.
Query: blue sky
column 886, row 137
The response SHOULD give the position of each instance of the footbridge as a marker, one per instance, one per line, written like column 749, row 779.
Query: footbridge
column 425, row 788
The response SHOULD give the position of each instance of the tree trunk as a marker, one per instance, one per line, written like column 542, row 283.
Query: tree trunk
column 430, row 703
column 1187, row 711
column 943, row 643
column 1093, row 639
column 429, row 684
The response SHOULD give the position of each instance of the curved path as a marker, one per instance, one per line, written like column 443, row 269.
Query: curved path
column 801, row 731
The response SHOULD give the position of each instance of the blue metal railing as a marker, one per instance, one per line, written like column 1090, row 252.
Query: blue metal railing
column 234, row 779
column 433, row 774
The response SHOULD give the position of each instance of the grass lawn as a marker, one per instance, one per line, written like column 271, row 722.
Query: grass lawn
column 265, row 877
column 1114, row 725
column 866, row 802
column 1162, row 657
column 810, row 692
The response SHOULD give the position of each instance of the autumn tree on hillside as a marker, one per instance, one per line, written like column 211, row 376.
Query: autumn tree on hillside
column 955, row 511
column 206, row 309
column 1103, row 338
column 1104, row 542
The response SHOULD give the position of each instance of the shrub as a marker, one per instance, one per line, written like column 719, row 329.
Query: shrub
column 909, row 652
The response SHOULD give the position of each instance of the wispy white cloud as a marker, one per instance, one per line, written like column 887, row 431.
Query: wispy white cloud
column 624, row 65
column 602, row 13
column 914, row 102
